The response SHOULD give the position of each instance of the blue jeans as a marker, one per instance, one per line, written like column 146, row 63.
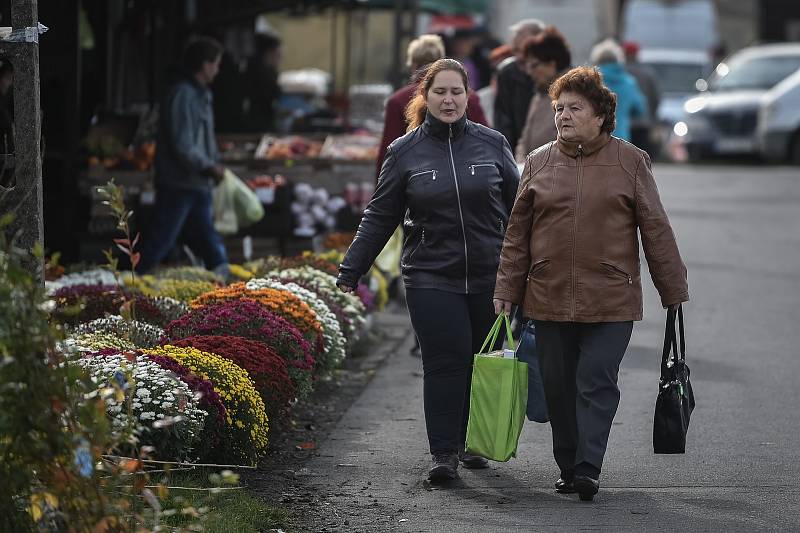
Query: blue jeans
column 182, row 213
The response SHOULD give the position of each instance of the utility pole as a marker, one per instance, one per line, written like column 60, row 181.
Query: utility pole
column 24, row 197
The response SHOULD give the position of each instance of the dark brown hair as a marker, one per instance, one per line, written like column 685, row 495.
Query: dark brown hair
column 200, row 50
column 588, row 82
column 549, row 45
column 417, row 107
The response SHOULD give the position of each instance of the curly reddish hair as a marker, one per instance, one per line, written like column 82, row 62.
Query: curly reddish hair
column 588, row 82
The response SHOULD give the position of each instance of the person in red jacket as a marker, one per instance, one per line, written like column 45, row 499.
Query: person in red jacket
column 422, row 51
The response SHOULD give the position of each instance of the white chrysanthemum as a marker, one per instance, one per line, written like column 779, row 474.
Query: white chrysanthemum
column 325, row 284
column 149, row 381
column 140, row 334
column 335, row 345
column 95, row 276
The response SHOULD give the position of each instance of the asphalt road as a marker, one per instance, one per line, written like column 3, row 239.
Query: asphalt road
column 738, row 229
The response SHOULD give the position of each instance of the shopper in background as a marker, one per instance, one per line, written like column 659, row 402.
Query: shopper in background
column 642, row 126
column 546, row 57
column 514, row 87
column 571, row 258
column 261, row 82
column 488, row 94
column 422, row 51
column 609, row 58
column 451, row 182
column 187, row 165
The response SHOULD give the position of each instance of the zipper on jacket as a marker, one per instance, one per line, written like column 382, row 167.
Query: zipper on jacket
column 424, row 172
column 575, row 230
column 502, row 228
column 473, row 167
column 460, row 213
column 619, row 272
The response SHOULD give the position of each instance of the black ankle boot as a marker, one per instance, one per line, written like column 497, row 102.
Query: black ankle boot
column 445, row 467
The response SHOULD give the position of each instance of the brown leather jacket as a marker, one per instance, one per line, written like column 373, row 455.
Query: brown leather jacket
column 571, row 252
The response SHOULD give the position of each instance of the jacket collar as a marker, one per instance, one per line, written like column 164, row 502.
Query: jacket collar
column 571, row 148
column 436, row 128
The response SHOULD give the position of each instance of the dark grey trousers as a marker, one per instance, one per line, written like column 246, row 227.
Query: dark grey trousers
column 580, row 364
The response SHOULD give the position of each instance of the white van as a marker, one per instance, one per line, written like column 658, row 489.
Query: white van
column 778, row 127
column 678, row 24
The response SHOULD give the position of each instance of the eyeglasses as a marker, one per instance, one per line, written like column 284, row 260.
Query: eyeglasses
column 532, row 64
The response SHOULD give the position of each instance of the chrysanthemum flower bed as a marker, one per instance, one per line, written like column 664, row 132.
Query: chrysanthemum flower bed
column 235, row 357
column 251, row 320
column 245, row 438
column 150, row 397
column 265, row 367
column 334, row 342
column 280, row 302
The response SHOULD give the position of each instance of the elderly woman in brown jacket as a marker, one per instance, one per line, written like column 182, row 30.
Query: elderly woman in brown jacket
column 571, row 258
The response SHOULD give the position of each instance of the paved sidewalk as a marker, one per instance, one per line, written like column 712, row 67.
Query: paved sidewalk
column 737, row 228
column 369, row 476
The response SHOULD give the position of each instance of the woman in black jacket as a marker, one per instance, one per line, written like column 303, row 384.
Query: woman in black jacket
column 452, row 183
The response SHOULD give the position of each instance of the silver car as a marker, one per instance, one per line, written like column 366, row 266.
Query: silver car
column 722, row 119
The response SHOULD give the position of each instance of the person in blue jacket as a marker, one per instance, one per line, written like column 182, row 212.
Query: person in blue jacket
column 187, row 165
column 609, row 58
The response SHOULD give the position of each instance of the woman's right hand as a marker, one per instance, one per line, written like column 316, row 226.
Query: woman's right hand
column 345, row 288
column 502, row 306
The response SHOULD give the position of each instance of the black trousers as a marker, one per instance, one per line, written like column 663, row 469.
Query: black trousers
column 580, row 364
column 451, row 328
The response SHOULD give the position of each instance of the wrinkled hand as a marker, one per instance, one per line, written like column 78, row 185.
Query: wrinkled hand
column 502, row 306
column 217, row 172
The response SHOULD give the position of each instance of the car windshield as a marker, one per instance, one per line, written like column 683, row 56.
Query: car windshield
column 676, row 77
column 754, row 73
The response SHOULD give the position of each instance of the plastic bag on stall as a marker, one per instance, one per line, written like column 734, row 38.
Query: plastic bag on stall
column 223, row 209
column 235, row 205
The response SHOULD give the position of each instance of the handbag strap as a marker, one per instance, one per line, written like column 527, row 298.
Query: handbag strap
column 491, row 338
column 671, row 341
column 681, row 334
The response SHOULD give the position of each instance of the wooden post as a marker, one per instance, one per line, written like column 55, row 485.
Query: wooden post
column 24, row 199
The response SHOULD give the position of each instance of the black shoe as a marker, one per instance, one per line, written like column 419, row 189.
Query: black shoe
column 472, row 461
column 586, row 487
column 565, row 486
column 445, row 467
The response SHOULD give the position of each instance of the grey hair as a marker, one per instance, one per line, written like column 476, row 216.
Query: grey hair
column 607, row 51
column 424, row 49
column 532, row 26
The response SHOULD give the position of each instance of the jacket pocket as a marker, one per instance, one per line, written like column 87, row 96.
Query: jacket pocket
column 538, row 267
column 614, row 270
column 477, row 166
column 537, row 297
column 423, row 174
column 408, row 258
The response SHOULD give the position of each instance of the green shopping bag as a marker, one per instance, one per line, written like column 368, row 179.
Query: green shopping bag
column 498, row 399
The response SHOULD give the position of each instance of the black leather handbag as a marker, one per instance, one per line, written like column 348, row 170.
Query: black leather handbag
column 675, row 400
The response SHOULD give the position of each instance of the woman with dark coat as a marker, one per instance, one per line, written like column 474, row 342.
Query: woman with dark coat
column 451, row 182
column 547, row 57
column 571, row 259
